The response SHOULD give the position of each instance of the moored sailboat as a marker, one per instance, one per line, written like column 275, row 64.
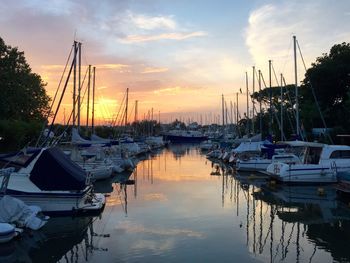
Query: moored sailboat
column 49, row 179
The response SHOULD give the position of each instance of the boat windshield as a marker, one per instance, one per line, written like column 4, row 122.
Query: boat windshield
column 297, row 150
column 312, row 155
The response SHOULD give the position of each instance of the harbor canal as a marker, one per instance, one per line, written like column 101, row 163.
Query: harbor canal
column 178, row 206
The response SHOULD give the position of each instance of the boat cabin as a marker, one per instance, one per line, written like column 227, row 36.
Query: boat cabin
column 315, row 154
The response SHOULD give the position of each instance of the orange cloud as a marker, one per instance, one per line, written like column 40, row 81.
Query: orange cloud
column 111, row 66
column 149, row 70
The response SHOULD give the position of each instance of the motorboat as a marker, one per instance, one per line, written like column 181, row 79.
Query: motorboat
column 285, row 152
column 47, row 178
column 320, row 163
column 185, row 136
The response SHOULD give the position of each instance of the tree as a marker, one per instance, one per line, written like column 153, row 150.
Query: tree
column 23, row 95
column 288, row 110
column 328, row 81
column 24, row 104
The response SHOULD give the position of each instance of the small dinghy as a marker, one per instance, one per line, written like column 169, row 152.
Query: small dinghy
column 7, row 232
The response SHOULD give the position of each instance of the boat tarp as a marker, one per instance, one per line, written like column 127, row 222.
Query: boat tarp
column 55, row 171
column 14, row 211
column 98, row 139
column 250, row 146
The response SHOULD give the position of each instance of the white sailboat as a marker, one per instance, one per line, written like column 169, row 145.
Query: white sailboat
column 47, row 178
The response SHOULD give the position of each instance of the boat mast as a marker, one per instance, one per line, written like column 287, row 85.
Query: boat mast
column 231, row 110
column 223, row 111
column 260, row 119
column 246, row 84
column 74, row 80
column 237, row 112
column 151, row 122
column 126, row 106
column 253, row 100
column 270, row 95
column 136, row 109
column 226, row 113
column 93, row 101
column 88, row 98
column 282, row 134
column 79, row 84
column 296, row 85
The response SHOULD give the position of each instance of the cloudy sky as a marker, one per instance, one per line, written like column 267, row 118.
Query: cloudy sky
column 174, row 56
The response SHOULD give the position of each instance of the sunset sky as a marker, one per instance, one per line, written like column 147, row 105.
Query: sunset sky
column 176, row 57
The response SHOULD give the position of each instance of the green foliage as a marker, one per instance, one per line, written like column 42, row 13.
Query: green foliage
column 24, row 103
column 329, row 77
column 23, row 95
column 15, row 134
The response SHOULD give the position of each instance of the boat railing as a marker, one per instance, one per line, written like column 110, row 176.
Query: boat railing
column 6, row 172
column 88, row 180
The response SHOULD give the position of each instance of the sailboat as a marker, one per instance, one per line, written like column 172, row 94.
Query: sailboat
column 47, row 178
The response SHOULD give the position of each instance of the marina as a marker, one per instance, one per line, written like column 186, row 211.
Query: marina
column 174, row 131
column 171, row 208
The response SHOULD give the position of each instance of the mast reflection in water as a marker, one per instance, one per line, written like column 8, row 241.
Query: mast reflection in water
column 179, row 206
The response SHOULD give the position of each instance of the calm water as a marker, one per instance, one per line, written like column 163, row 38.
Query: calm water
column 183, row 207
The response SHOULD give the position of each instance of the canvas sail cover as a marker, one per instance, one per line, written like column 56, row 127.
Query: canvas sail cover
column 77, row 139
column 54, row 171
column 97, row 139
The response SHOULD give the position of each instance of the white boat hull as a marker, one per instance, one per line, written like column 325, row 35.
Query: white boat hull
column 252, row 166
column 302, row 174
column 7, row 232
column 54, row 202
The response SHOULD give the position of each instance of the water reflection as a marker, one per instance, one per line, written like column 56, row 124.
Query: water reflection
column 177, row 206
column 60, row 240
column 290, row 223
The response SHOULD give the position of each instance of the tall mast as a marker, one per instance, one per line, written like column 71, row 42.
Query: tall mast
column 246, row 84
column 282, row 134
column 234, row 113
column 74, row 80
column 296, row 86
column 270, row 95
column 88, row 98
column 79, row 84
column 260, row 119
column 253, row 100
column 126, row 107
column 226, row 113
column 93, row 101
column 237, row 112
column 231, row 109
column 136, row 109
column 223, row 111
column 151, row 122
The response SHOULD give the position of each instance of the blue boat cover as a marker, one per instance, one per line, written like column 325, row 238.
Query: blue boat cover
column 54, row 171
